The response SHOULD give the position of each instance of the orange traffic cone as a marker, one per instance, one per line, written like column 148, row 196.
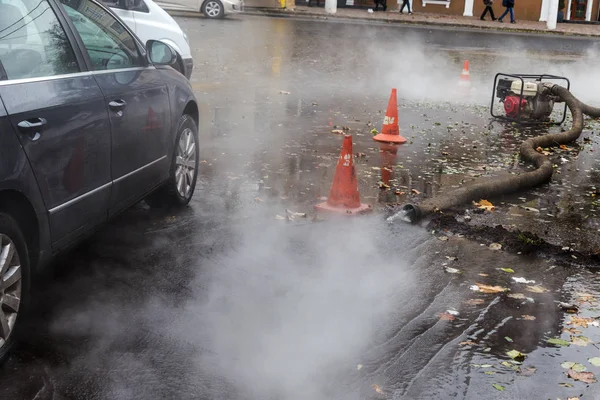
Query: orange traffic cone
column 390, row 132
column 465, row 76
column 344, row 196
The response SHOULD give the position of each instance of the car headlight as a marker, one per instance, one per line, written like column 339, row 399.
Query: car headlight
column 186, row 38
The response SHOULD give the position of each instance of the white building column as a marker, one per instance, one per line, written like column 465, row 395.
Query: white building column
column 552, row 14
column 588, row 11
column 568, row 14
column 468, row 8
column 331, row 6
column 544, row 10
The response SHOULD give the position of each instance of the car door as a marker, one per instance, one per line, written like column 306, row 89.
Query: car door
column 136, row 98
column 59, row 115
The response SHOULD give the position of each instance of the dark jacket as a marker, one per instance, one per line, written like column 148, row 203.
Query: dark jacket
column 508, row 3
column 488, row 2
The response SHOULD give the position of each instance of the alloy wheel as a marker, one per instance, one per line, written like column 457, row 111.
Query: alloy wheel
column 213, row 9
column 10, row 287
column 185, row 162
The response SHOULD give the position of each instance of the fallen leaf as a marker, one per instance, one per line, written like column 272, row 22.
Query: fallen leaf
column 574, row 366
column 520, row 296
column 572, row 330
column 483, row 274
column 279, row 217
column 489, row 372
column 446, row 316
column 283, row 92
column 443, row 238
column 521, row 280
column 516, row 355
column 467, row 343
column 377, row 388
column 508, row 339
column 490, row 289
column 586, row 377
column 559, row 342
column 359, row 367
column 580, row 321
column 542, row 151
column 495, row 246
column 498, row 387
column 580, row 341
column 508, row 270
column 415, row 191
column 572, row 398
column 337, row 131
column 484, row 205
column 528, row 371
column 509, row 365
column 528, row 317
column 595, row 361
column 383, row 185
column 474, row 302
column 537, row 289
column 452, row 270
column 567, row 385
column 452, row 312
column 400, row 193
column 564, row 147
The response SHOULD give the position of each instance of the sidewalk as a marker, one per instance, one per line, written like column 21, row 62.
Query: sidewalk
column 430, row 19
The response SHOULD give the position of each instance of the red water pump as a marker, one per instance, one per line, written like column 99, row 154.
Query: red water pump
column 524, row 99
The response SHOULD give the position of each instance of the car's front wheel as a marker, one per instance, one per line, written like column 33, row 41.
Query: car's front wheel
column 213, row 9
column 14, row 281
column 179, row 189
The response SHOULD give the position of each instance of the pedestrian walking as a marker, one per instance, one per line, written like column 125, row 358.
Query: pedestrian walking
column 509, row 4
column 488, row 9
column 405, row 3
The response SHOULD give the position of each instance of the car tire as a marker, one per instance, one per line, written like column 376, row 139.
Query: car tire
column 179, row 189
column 213, row 9
column 14, row 282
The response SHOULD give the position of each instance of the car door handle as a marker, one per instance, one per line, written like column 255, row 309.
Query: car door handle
column 117, row 105
column 32, row 127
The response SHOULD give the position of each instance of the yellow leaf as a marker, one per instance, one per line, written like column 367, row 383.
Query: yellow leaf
column 490, row 289
column 528, row 317
column 580, row 321
column 484, row 205
column 415, row 191
column 537, row 289
column 474, row 302
column 377, row 388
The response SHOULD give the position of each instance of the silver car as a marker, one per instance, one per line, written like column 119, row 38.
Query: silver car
column 210, row 8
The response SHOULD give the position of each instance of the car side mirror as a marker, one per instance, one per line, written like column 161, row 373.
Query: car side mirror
column 160, row 53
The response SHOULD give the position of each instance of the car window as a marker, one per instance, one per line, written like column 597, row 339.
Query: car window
column 131, row 5
column 106, row 40
column 32, row 41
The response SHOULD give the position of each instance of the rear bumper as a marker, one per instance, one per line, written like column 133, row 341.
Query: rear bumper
column 188, row 67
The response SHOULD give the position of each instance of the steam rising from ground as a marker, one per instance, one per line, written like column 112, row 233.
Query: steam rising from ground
column 291, row 308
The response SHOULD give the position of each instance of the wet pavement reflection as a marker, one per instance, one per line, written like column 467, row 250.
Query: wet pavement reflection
column 228, row 299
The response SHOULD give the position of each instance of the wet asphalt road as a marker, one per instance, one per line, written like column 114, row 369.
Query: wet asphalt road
column 227, row 300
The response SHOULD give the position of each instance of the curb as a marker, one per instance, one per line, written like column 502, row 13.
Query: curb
column 319, row 16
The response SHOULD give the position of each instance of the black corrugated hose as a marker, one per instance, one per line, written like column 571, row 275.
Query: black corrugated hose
column 502, row 185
